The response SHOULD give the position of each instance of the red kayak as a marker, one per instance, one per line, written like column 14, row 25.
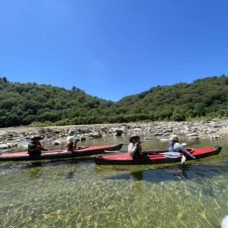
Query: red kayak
column 154, row 156
column 87, row 151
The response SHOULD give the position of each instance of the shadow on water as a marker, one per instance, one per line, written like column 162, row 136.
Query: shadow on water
column 35, row 168
column 151, row 175
column 43, row 163
column 174, row 173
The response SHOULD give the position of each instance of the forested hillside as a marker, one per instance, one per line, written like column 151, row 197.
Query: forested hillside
column 25, row 104
column 203, row 98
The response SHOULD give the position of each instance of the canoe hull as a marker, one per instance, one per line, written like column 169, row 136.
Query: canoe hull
column 153, row 157
column 87, row 151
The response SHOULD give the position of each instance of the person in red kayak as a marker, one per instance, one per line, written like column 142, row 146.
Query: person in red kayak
column 175, row 146
column 34, row 147
column 72, row 144
column 134, row 147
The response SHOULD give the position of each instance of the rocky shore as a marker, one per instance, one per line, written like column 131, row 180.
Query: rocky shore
column 213, row 129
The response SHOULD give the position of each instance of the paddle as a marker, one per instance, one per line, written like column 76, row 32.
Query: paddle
column 186, row 153
column 225, row 222
column 165, row 154
column 171, row 154
column 183, row 159
column 112, row 151
column 26, row 142
column 174, row 155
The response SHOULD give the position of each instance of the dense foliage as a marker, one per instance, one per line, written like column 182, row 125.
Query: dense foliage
column 25, row 104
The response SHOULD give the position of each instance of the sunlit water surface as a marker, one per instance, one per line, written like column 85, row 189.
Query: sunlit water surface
column 78, row 193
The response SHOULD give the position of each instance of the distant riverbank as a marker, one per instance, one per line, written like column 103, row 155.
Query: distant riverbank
column 214, row 126
column 194, row 130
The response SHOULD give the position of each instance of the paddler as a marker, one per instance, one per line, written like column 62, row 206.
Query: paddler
column 34, row 147
column 72, row 143
column 134, row 147
column 175, row 146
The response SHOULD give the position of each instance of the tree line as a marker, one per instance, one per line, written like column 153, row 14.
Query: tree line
column 35, row 104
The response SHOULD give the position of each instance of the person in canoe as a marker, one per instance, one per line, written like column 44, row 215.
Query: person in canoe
column 34, row 147
column 72, row 143
column 175, row 146
column 134, row 147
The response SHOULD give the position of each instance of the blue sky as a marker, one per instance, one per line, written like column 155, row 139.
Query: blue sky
column 113, row 48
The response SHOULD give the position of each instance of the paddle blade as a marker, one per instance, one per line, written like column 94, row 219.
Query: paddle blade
column 26, row 142
column 183, row 159
column 112, row 151
column 225, row 222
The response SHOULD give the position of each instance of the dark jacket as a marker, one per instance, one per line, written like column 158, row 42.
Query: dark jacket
column 70, row 146
column 35, row 148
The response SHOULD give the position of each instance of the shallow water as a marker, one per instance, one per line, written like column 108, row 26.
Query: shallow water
column 78, row 193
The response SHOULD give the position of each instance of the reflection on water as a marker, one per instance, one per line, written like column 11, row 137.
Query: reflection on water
column 77, row 193
column 136, row 176
column 172, row 173
column 35, row 170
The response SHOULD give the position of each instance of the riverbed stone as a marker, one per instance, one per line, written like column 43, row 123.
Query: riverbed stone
column 4, row 146
column 194, row 130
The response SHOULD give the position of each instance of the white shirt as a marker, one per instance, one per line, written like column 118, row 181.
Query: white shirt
column 132, row 148
column 178, row 147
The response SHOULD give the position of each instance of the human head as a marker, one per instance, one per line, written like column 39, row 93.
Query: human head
column 174, row 138
column 36, row 138
column 133, row 136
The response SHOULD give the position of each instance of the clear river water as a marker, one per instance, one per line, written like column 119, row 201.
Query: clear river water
column 79, row 193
